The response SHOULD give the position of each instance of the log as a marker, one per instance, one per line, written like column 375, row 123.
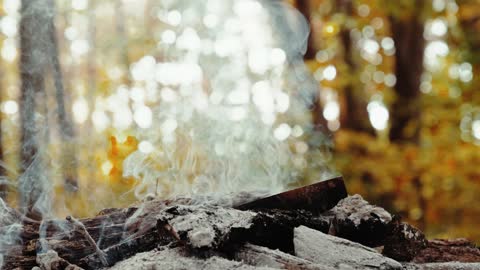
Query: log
column 355, row 219
column 108, row 230
column 206, row 229
column 460, row 250
column 317, row 198
column 121, row 233
column 403, row 241
column 333, row 251
column 261, row 256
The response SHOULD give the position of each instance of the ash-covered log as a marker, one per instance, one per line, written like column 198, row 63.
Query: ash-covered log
column 209, row 234
column 355, row 219
column 325, row 249
column 403, row 241
column 121, row 233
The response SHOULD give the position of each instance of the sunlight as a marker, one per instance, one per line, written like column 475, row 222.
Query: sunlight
column 329, row 73
column 378, row 114
column 331, row 111
column 10, row 107
column 80, row 110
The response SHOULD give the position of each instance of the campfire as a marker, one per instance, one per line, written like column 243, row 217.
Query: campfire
column 314, row 227
column 214, row 159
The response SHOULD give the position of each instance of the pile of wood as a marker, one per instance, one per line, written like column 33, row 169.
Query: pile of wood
column 192, row 234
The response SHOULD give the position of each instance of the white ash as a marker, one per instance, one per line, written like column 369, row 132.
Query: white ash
column 50, row 261
column 328, row 250
column 46, row 259
column 204, row 223
column 356, row 209
column 201, row 237
column 262, row 256
column 177, row 259
column 407, row 231
column 201, row 223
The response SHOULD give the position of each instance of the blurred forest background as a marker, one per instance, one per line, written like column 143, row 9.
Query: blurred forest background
column 398, row 94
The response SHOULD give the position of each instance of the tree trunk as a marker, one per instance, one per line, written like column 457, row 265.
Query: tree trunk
column 356, row 108
column 68, row 155
column 33, row 61
column 3, row 173
column 123, row 37
column 409, row 45
column 320, row 123
column 406, row 111
column 92, row 81
column 304, row 7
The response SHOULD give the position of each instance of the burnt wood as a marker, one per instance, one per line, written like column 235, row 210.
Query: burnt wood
column 318, row 197
column 121, row 233
column 204, row 229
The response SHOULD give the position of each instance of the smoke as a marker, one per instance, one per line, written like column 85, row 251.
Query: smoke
column 235, row 103
column 10, row 230
column 229, row 109
column 34, row 182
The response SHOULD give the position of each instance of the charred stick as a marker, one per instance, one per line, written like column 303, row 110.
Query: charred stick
column 318, row 197
column 77, row 225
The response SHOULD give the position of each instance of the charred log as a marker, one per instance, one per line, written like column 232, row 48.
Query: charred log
column 403, row 241
column 205, row 233
column 355, row 219
column 121, row 233
column 460, row 250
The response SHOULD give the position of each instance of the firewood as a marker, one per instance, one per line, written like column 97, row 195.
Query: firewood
column 333, row 251
column 460, row 250
column 262, row 256
column 207, row 228
column 317, row 198
column 81, row 228
column 355, row 219
column 403, row 241
column 121, row 233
